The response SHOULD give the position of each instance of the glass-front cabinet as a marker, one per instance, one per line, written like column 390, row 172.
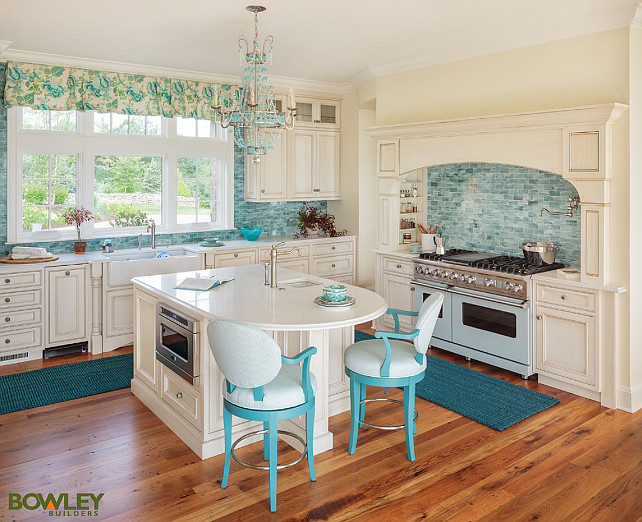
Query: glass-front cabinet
column 318, row 113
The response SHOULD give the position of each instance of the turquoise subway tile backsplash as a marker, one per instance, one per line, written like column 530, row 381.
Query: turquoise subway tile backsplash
column 495, row 208
column 278, row 218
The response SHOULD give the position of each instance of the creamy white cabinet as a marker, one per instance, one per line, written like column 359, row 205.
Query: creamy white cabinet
column 566, row 336
column 266, row 180
column 334, row 260
column 67, row 304
column 146, row 367
column 314, row 165
column 318, row 113
column 245, row 256
column 393, row 284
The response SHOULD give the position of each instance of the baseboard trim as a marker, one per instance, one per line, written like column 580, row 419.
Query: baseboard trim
column 629, row 399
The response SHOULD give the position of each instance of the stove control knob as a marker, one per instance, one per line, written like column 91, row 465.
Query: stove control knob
column 454, row 275
column 489, row 282
column 462, row 277
column 517, row 288
column 508, row 287
column 419, row 269
column 470, row 279
column 446, row 274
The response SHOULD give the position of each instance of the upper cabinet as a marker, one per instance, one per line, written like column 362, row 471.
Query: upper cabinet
column 318, row 114
column 305, row 164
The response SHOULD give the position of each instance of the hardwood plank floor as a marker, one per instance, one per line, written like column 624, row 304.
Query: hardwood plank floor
column 575, row 461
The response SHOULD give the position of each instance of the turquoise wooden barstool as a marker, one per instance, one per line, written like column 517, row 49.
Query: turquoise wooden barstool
column 261, row 384
column 388, row 361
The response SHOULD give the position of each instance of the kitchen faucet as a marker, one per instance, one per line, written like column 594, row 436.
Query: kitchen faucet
column 274, row 253
column 151, row 227
column 573, row 202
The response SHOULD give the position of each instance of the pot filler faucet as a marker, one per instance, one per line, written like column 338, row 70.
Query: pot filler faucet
column 274, row 253
column 573, row 202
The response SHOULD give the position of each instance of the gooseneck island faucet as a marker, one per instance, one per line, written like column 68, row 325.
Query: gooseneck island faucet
column 274, row 253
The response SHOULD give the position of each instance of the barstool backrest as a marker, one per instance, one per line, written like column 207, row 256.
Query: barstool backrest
column 246, row 356
column 426, row 321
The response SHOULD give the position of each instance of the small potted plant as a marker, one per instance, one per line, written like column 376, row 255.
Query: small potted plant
column 77, row 216
column 314, row 219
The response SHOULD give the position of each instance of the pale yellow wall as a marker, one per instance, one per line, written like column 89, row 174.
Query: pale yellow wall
column 635, row 118
column 585, row 70
column 368, row 188
column 576, row 71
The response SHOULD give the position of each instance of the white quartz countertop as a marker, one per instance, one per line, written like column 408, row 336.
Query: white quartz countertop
column 405, row 254
column 247, row 299
column 553, row 277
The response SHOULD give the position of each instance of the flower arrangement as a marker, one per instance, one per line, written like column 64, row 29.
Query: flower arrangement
column 77, row 216
column 313, row 218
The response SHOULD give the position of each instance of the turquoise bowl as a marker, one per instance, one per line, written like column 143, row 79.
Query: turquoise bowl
column 334, row 293
column 251, row 234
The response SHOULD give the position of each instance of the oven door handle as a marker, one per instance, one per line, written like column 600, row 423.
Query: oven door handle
column 445, row 287
column 523, row 304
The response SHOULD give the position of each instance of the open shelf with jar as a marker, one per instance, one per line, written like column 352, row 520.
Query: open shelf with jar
column 411, row 207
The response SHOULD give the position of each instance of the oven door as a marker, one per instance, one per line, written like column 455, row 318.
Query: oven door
column 176, row 348
column 492, row 324
column 443, row 328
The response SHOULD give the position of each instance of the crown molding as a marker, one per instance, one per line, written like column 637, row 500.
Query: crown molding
column 166, row 72
column 601, row 114
column 624, row 17
column 362, row 77
column 637, row 17
column 4, row 45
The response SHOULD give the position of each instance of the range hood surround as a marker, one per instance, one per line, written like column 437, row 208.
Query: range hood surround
column 574, row 143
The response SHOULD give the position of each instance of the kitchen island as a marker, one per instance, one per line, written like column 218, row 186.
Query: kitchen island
column 194, row 411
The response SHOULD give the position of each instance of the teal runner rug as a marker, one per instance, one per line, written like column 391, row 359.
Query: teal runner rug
column 26, row 390
column 485, row 399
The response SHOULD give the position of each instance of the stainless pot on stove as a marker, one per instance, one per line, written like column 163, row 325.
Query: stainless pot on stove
column 540, row 252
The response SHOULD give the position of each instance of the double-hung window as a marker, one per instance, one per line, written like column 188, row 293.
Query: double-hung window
column 126, row 169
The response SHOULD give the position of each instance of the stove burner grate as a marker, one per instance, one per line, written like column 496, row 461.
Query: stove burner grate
column 513, row 265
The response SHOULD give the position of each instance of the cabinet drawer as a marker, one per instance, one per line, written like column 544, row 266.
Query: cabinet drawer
column 299, row 265
column 332, row 248
column 237, row 258
column 303, row 252
column 347, row 279
column 14, row 280
column 397, row 266
column 180, row 395
column 328, row 266
column 20, row 318
column 21, row 299
column 15, row 340
column 567, row 298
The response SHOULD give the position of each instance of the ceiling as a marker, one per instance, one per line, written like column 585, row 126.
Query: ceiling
column 338, row 42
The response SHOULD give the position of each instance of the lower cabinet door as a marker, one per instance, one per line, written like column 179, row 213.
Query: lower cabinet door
column 398, row 292
column 565, row 345
column 146, row 368
column 67, row 305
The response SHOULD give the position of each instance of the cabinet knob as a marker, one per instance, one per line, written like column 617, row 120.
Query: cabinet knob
column 179, row 395
column 316, row 190
column 334, row 248
column 398, row 266
column 539, row 317
column 67, row 272
column 564, row 298
column 412, row 288
column 7, row 299
column 333, row 265
column 7, row 319
column 317, row 121
column 7, row 341
column 262, row 191
column 7, row 280
column 236, row 255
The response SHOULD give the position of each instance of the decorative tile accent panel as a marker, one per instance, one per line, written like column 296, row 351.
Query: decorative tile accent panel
column 278, row 218
column 495, row 208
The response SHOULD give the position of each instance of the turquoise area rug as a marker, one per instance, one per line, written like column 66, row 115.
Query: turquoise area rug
column 26, row 390
column 490, row 401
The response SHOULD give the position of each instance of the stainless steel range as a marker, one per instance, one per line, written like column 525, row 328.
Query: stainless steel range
column 486, row 313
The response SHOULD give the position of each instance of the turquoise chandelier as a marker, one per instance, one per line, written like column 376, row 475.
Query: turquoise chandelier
column 251, row 113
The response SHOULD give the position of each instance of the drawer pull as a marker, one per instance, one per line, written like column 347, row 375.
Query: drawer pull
column 7, row 280
column 564, row 298
column 539, row 317
column 262, row 191
column 179, row 395
column 7, row 299
column 333, row 248
column 412, row 288
column 398, row 266
column 316, row 190
column 236, row 255
column 7, row 341
column 333, row 265
column 7, row 319
column 67, row 272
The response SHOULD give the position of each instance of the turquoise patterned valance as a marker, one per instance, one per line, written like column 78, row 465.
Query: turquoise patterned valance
column 50, row 87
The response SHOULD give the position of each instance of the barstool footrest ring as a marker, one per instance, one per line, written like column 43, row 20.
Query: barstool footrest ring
column 398, row 427
column 280, row 466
